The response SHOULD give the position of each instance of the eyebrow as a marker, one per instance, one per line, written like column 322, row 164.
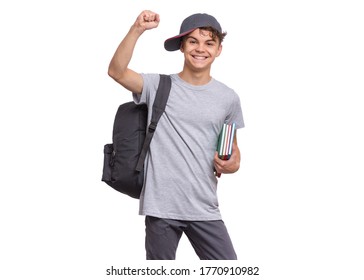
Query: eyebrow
column 189, row 36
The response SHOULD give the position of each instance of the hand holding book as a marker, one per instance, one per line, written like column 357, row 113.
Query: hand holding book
column 224, row 151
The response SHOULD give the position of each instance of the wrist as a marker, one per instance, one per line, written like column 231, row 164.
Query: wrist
column 136, row 30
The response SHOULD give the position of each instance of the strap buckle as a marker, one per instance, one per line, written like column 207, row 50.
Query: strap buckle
column 152, row 127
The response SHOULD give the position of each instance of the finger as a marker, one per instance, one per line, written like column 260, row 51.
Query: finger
column 216, row 156
column 150, row 17
column 218, row 166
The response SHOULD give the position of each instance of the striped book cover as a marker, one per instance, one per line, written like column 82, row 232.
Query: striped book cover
column 225, row 141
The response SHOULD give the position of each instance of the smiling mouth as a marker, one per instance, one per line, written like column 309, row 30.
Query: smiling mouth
column 199, row 57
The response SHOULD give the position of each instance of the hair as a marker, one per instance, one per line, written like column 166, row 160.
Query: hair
column 215, row 33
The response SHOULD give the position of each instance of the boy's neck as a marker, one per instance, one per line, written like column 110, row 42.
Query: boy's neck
column 195, row 78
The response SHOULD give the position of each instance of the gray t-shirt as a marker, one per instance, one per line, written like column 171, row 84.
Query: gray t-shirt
column 179, row 172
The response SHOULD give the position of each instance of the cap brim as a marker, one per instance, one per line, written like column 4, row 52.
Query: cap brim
column 174, row 43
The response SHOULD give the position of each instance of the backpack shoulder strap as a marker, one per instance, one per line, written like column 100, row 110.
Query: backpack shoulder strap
column 159, row 105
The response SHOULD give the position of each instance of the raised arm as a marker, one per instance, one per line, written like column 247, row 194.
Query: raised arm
column 118, row 67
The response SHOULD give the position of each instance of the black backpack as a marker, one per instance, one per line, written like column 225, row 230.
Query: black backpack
column 123, row 167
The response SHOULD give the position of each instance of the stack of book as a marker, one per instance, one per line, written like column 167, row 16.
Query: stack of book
column 225, row 142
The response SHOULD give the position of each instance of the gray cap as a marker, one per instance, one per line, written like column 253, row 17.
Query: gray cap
column 188, row 25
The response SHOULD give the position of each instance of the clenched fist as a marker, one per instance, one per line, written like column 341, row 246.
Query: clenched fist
column 147, row 20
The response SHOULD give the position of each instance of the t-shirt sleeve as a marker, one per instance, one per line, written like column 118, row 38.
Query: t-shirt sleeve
column 236, row 114
column 150, row 84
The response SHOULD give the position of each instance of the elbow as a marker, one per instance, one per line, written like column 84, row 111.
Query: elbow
column 127, row 78
column 116, row 70
column 110, row 72
column 118, row 76
column 113, row 73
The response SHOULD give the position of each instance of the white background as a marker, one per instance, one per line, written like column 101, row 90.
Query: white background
column 295, row 208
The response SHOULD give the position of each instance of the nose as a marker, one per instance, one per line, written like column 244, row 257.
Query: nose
column 200, row 47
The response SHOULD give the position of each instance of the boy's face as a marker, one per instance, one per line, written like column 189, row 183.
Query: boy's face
column 200, row 49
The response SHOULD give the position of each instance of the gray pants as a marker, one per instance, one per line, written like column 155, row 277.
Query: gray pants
column 209, row 239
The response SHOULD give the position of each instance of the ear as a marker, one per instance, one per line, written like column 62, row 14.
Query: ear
column 219, row 51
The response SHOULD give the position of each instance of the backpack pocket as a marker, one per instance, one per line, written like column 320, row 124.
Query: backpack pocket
column 108, row 158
